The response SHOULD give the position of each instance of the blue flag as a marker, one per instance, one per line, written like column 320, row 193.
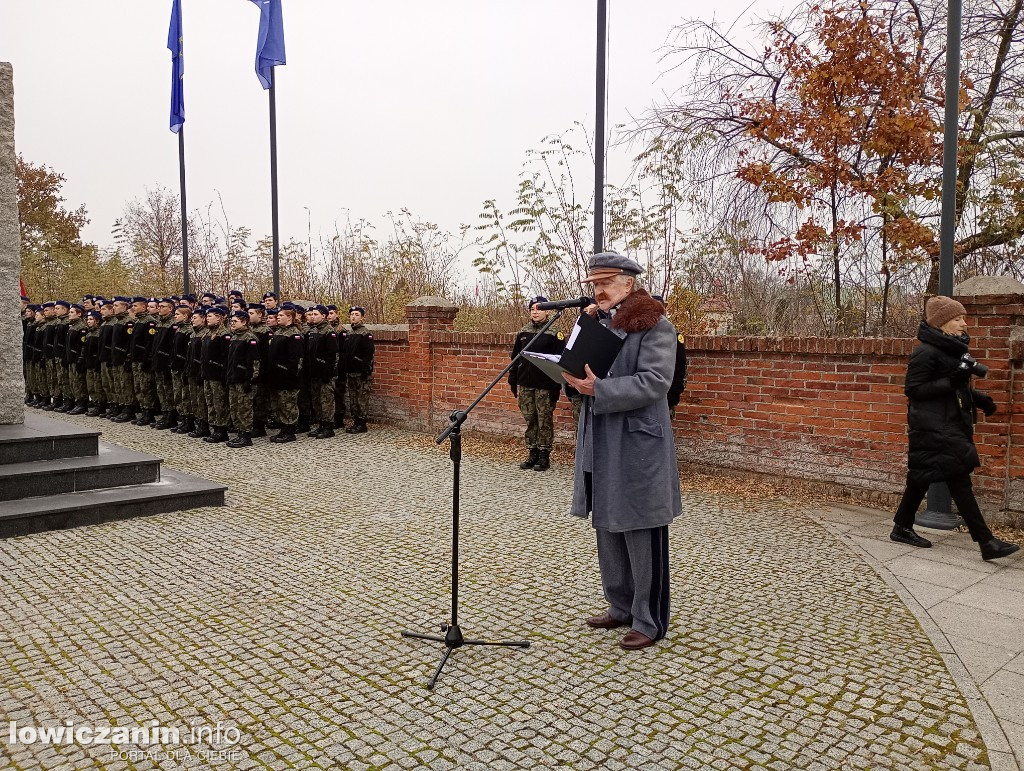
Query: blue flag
column 270, row 44
column 174, row 43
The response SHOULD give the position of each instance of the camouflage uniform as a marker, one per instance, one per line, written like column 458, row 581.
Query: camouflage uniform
column 197, row 401
column 261, row 393
column 60, row 366
column 536, row 392
column 143, row 331
column 215, row 389
column 91, row 357
column 161, row 357
column 321, row 367
column 284, row 365
column 179, row 369
column 358, row 353
column 73, row 358
column 106, row 374
column 243, row 370
column 120, row 365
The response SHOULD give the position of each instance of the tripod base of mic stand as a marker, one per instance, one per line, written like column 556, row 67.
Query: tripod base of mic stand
column 453, row 639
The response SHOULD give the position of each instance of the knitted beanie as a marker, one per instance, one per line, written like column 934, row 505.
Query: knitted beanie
column 940, row 310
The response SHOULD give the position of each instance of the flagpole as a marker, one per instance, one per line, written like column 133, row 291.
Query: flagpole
column 184, row 209
column 273, row 187
column 602, row 42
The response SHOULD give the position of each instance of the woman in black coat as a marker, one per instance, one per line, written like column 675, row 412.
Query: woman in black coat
column 941, row 416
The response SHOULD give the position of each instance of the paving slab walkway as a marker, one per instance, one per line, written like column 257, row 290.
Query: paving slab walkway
column 973, row 610
column 279, row 616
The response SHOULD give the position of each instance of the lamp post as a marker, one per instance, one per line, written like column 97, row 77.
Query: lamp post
column 938, row 513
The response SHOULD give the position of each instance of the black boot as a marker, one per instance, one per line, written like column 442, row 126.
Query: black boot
column 544, row 462
column 112, row 411
column 312, row 432
column 994, row 549
column 339, row 421
column 186, row 424
column 126, row 414
column 219, row 434
column 531, row 461
column 302, row 427
column 49, row 404
column 201, row 430
column 80, row 408
column 95, row 410
column 908, row 536
column 358, row 427
column 244, row 439
column 287, row 434
column 63, row 405
column 258, row 430
column 146, row 418
column 168, row 420
column 326, row 431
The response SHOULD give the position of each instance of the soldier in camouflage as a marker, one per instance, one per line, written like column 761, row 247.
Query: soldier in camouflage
column 243, row 370
column 358, row 353
column 261, row 394
column 194, row 369
column 215, row 361
column 61, row 384
column 321, row 370
column 284, row 372
column 91, row 360
column 109, row 397
column 120, row 362
column 74, row 362
column 536, row 392
column 143, row 332
column 161, row 358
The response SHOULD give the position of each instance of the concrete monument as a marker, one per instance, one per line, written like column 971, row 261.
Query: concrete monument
column 12, row 383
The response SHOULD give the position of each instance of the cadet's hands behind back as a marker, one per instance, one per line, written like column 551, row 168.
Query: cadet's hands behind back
column 986, row 403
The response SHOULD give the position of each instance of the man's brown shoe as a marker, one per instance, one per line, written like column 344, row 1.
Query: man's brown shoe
column 604, row 621
column 634, row 641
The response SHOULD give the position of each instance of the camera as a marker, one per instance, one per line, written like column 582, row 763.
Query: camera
column 972, row 366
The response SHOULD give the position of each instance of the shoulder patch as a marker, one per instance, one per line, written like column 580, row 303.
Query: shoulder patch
column 560, row 335
column 152, row 331
column 680, row 338
column 129, row 330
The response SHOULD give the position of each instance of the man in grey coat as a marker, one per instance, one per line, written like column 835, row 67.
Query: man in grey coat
column 626, row 475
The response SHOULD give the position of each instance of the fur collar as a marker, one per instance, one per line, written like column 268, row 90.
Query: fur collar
column 638, row 312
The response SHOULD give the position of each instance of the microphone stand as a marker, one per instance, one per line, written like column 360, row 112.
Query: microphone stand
column 452, row 632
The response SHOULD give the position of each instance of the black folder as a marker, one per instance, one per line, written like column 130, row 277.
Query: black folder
column 589, row 343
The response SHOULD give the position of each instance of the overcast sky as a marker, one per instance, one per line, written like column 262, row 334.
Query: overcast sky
column 382, row 105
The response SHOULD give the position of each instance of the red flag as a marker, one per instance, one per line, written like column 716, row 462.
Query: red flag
column 22, row 284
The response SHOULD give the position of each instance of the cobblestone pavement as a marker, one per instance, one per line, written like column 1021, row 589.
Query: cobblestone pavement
column 280, row 614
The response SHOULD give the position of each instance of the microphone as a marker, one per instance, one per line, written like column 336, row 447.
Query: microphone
column 560, row 305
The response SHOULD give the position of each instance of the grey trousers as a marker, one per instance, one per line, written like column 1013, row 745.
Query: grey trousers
column 635, row 577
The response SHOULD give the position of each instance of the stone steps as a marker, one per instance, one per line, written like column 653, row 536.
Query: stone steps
column 56, row 475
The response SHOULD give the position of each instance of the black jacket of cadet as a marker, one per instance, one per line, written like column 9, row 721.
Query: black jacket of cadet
column 358, row 350
column 215, row 354
column 243, row 367
column 143, row 333
column 162, row 352
column 523, row 374
column 942, row 409
column 284, row 358
column 321, row 352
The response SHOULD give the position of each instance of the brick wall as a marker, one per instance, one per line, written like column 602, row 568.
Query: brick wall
column 827, row 413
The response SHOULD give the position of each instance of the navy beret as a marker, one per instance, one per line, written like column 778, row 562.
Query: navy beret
column 200, row 311
column 257, row 307
column 240, row 315
column 357, row 308
column 48, row 304
column 79, row 307
column 94, row 315
column 65, row 303
column 272, row 312
column 190, row 297
column 538, row 299
column 321, row 308
column 267, row 295
column 217, row 309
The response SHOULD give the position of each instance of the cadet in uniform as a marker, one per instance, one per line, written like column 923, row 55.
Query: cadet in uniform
column 179, row 369
column 161, row 359
column 142, row 332
column 194, row 368
column 321, row 370
column 120, row 360
column 358, row 353
column 284, row 365
column 109, row 393
column 91, row 360
column 215, row 361
column 74, row 362
column 243, row 370
column 260, row 394
column 536, row 392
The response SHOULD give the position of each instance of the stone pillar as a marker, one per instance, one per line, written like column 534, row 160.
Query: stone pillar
column 12, row 383
column 995, row 315
column 425, row 315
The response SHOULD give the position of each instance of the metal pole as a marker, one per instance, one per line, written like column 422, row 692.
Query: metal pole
column 184, row 209
column 599, row 130
column 939, row 510
column 273, row 187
